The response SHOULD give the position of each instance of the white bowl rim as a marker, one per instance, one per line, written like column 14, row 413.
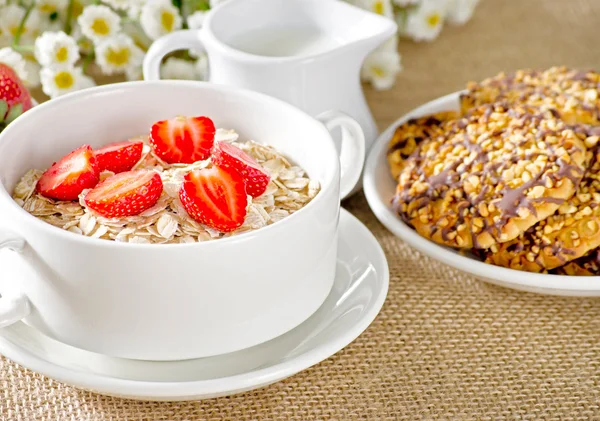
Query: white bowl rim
column 392, row 222
column 103, row 89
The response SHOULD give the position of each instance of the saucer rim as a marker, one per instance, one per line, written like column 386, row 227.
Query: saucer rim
column 525, row 281
column 224, row 386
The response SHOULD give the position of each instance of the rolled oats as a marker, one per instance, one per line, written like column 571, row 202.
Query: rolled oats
column 167, row 222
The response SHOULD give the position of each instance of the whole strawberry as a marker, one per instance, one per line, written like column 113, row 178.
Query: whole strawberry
column 14, row 97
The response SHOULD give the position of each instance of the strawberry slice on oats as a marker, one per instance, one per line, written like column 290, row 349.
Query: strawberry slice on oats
column 215, row 197
column 225, row 155
column 183, row 139
column 125, row 194
column 119, row 156
column 67, row 178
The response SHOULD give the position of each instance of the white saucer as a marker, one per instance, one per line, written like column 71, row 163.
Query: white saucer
column 358, row 294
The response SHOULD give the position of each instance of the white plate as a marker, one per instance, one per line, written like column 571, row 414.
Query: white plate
column 358, row 294
column 379, row 187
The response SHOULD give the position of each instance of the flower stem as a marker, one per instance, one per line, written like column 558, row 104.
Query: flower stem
column 17, row 37
column 23, row 48
column 68, row 27
column 87, row 60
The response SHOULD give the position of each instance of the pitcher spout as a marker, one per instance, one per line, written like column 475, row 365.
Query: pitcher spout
column 376, row 32
column 362, row 30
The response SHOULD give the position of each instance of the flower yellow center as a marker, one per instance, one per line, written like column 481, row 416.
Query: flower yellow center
column 100, row 27
column 86, row 44
column 378, row 7
column 14, row 29
column 167, row 20
column 379, row 72
column 47, row 8
column 434, row 20
column 76, row 9
column 64, row 80
column 62, row 54
column 118, row 57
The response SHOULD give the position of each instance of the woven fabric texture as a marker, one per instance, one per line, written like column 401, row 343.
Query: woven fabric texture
column 445, row 346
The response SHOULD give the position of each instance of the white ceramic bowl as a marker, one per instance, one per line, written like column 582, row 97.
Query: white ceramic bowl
column 170, row 302
column 379, row 187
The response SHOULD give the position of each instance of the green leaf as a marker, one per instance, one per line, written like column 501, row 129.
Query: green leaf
column 14, row 112
column 3, row 109
column 53, row 16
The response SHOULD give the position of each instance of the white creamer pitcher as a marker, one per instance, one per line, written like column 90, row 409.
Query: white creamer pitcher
column 306, row 52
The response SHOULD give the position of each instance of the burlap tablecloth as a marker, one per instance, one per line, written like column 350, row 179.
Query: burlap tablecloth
column 445, row 346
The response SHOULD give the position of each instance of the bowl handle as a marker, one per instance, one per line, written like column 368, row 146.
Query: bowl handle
column 352, row 154
column 178, row 40
column 13, row 307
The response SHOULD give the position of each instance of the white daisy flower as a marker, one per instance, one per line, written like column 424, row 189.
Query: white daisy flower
column 56, row 49
column 60, row 81
column 426, row 21
column 196, row 19
column 99, row 22
column 460, row 11
column 33, row 73
column 13, row 59
column 381, row 7
column 159, row 17
column 47, row 7
column 86, row 46
column 176, row 68
column 47, row 24
column 11, row 17
column 380, row 68
column 118, row 54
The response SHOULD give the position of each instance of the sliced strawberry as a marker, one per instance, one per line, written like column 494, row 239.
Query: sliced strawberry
column 120, row 156
column 125, row 194
column 67, row 178
column 183, row 139
column 215, row 197
column 226, row 155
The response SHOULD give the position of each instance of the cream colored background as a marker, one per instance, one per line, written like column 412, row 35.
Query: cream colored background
column 445, row 346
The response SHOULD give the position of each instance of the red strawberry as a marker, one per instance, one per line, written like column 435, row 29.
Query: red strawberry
column 226, row 155
column 215, row 197
column 67, row 178
column 183, row 139
column 120, row 156
column 125, row 194
column 14, row 97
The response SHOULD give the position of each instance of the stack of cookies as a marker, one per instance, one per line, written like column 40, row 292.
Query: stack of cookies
column 514, row 176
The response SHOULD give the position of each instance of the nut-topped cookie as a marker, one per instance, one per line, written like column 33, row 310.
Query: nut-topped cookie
column 572, row 94
column 572, row 232
column 584, row 266
column 490, row 176
column 410, row 134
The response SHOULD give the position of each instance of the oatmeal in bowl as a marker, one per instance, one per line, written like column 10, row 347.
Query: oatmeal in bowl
column 185, row 182
column 114, row 234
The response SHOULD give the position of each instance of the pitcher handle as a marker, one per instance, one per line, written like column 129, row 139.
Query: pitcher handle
column 13, row 307
column 352, row 155
column 178, row 40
